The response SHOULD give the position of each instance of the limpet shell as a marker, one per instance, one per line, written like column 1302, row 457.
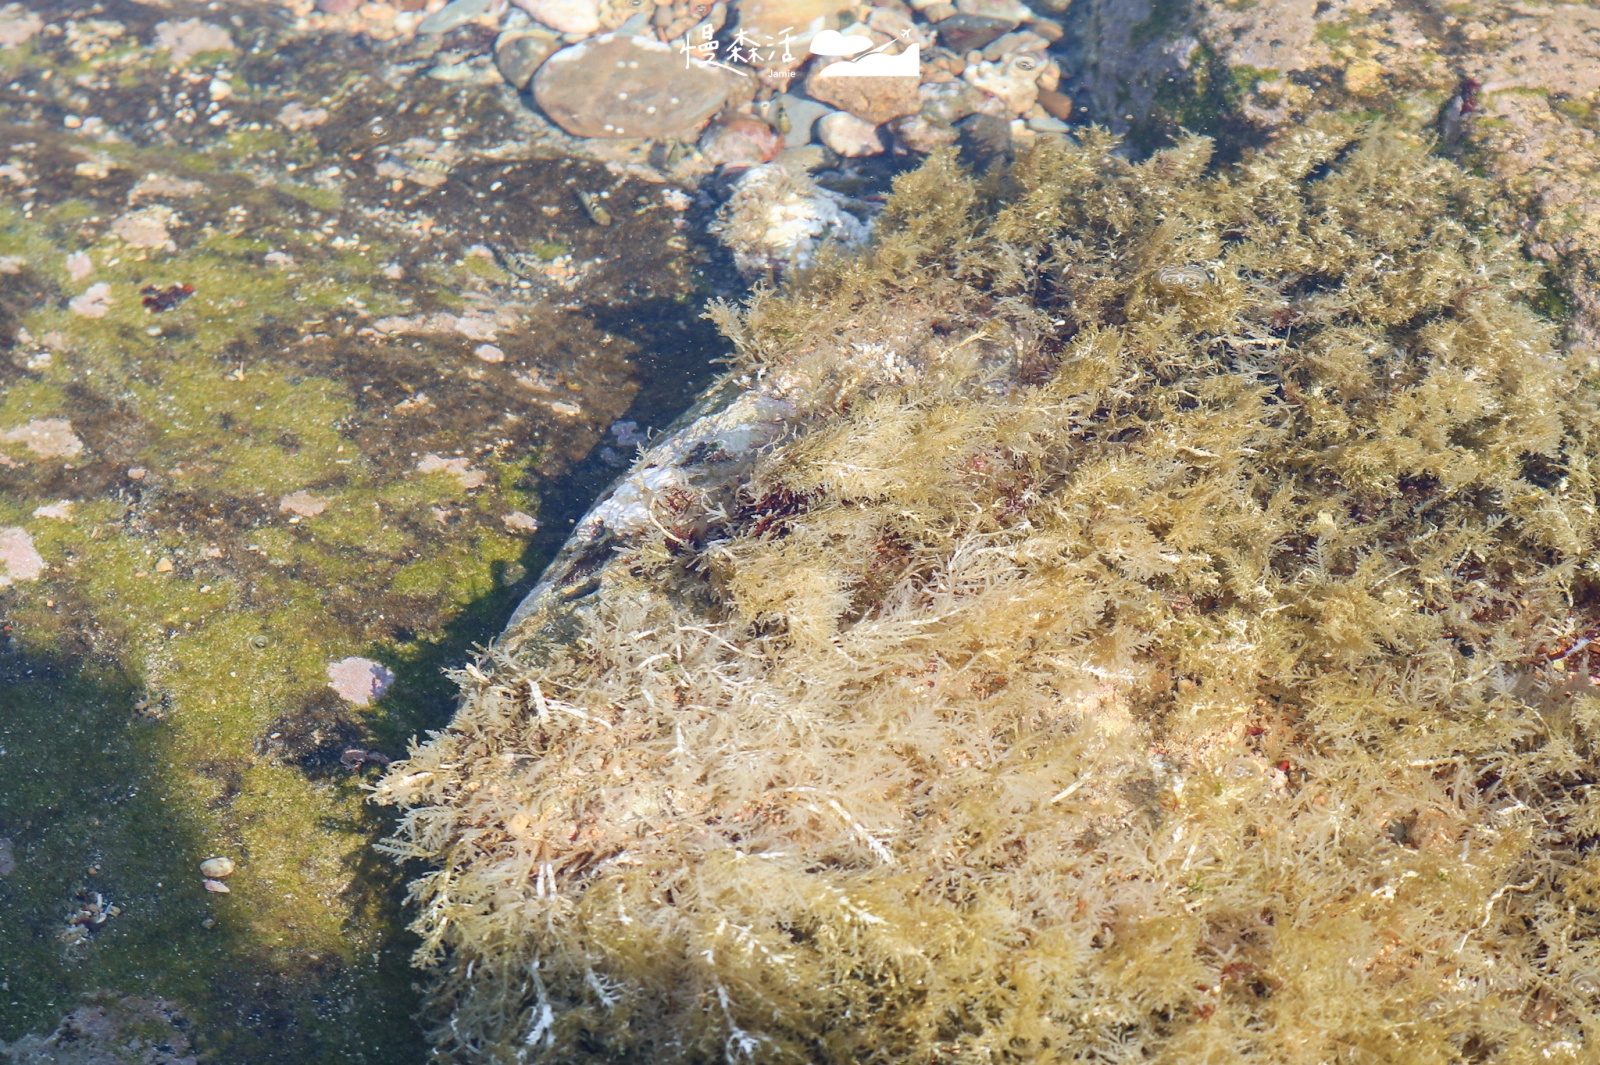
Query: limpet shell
column 217, row 868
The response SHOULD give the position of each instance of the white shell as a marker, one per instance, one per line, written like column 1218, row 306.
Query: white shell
column 217, row 868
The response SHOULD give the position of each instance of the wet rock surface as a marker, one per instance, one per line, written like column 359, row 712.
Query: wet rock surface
column 621, row 86
column 215, row 481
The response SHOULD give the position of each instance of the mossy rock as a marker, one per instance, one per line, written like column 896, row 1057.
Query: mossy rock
column 1151, row 626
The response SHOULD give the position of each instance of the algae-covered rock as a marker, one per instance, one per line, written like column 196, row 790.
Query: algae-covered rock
column 1131, row 612
column 1507, row 85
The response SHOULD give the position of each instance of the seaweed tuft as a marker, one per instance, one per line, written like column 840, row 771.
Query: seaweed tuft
column 1164, row 636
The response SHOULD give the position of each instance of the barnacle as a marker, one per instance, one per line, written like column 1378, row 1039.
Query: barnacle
column 1122, row 678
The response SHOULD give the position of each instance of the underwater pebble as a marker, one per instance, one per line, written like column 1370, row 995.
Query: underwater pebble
column 191, row 37
column 456, row 13
column 733, row 139
column 17, row 26
column 521, row 521
column 94, row 303
column 216, row 886
column 489, row 353
column 294, row 117
column 19, row 560
column 217, row 868
column 849, row 135
column 46, row 437
column 359, row 680
column 874, row 100
column 146, row 227
column 459, row 467
column 60, row 511
column 614, row 86
column 564, row 16
column 79, row 265
column 802, row 113
column 519, row 56
column 164, row 566
column 302, row 503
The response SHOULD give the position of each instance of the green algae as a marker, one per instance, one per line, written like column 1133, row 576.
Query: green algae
column 166, row 694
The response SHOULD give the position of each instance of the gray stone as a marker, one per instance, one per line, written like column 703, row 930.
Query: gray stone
column 802, row 112
column 456, row 13
column 520, row 56
column 967, row 33
column 807, row 157
column 614, row 86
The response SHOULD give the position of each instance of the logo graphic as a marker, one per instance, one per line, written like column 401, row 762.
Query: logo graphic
column 873, row 64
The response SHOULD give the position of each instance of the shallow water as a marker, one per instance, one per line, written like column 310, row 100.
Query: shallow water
column 336, row 446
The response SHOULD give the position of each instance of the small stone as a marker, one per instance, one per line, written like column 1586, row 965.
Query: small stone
column 1015, row 81
column 966, row 33
column 145, row 228
column 920, row 133
column 294, row 117
column 217, row 868
column 874, row 100
column 216, row 887
column 456, row 13
column 521, row 521
column 806, row 158
column 1048, row 28
column 1014, row 43
column 61, row 511
column 739, row 140
column 1047, row 124
column 519, row 57
column 802, row 113
column 489, row 353
column 359, row 680
column 938, row 12
column 613, row 86
column 337, row 8
column 849, row 136
column 137, row 473
column 17, row 26
column 191, row 37
column 164, row 566
column 1057, row 105
column 302, row 504
column 79, row 265
column 778, row 24
column 47, row 438
column 19, row 560
column 94, row 303
column 1011, row 10
column 564, row 16
column 985, row 140
column 460, row 468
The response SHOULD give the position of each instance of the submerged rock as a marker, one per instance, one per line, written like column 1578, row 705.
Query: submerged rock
column 359, row 680
column 617, row 86
column 1031, row 633
column 19, row 559
column 775, row 220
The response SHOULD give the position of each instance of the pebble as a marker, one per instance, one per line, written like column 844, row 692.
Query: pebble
column 612, row 86
column 79, row 265
column 217, row 868
column 489, row 353
column 458, row 467
column 19, row 559
column 1014, row 80
column 1012, row 10
column 191, row 37
column 93, row 303
column 216, row 887
column 359, row 680
column 806, row 158
column 1057, row 104
column 802, row 112
column 302, row 504
column 735, row 139
column 564, row 16
column 848, row 135
column 454, row 14
column 519, row 56
column 966, row 33
column 521, row 521
column 47, row 438
column 874, row 100
column 769, row 22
